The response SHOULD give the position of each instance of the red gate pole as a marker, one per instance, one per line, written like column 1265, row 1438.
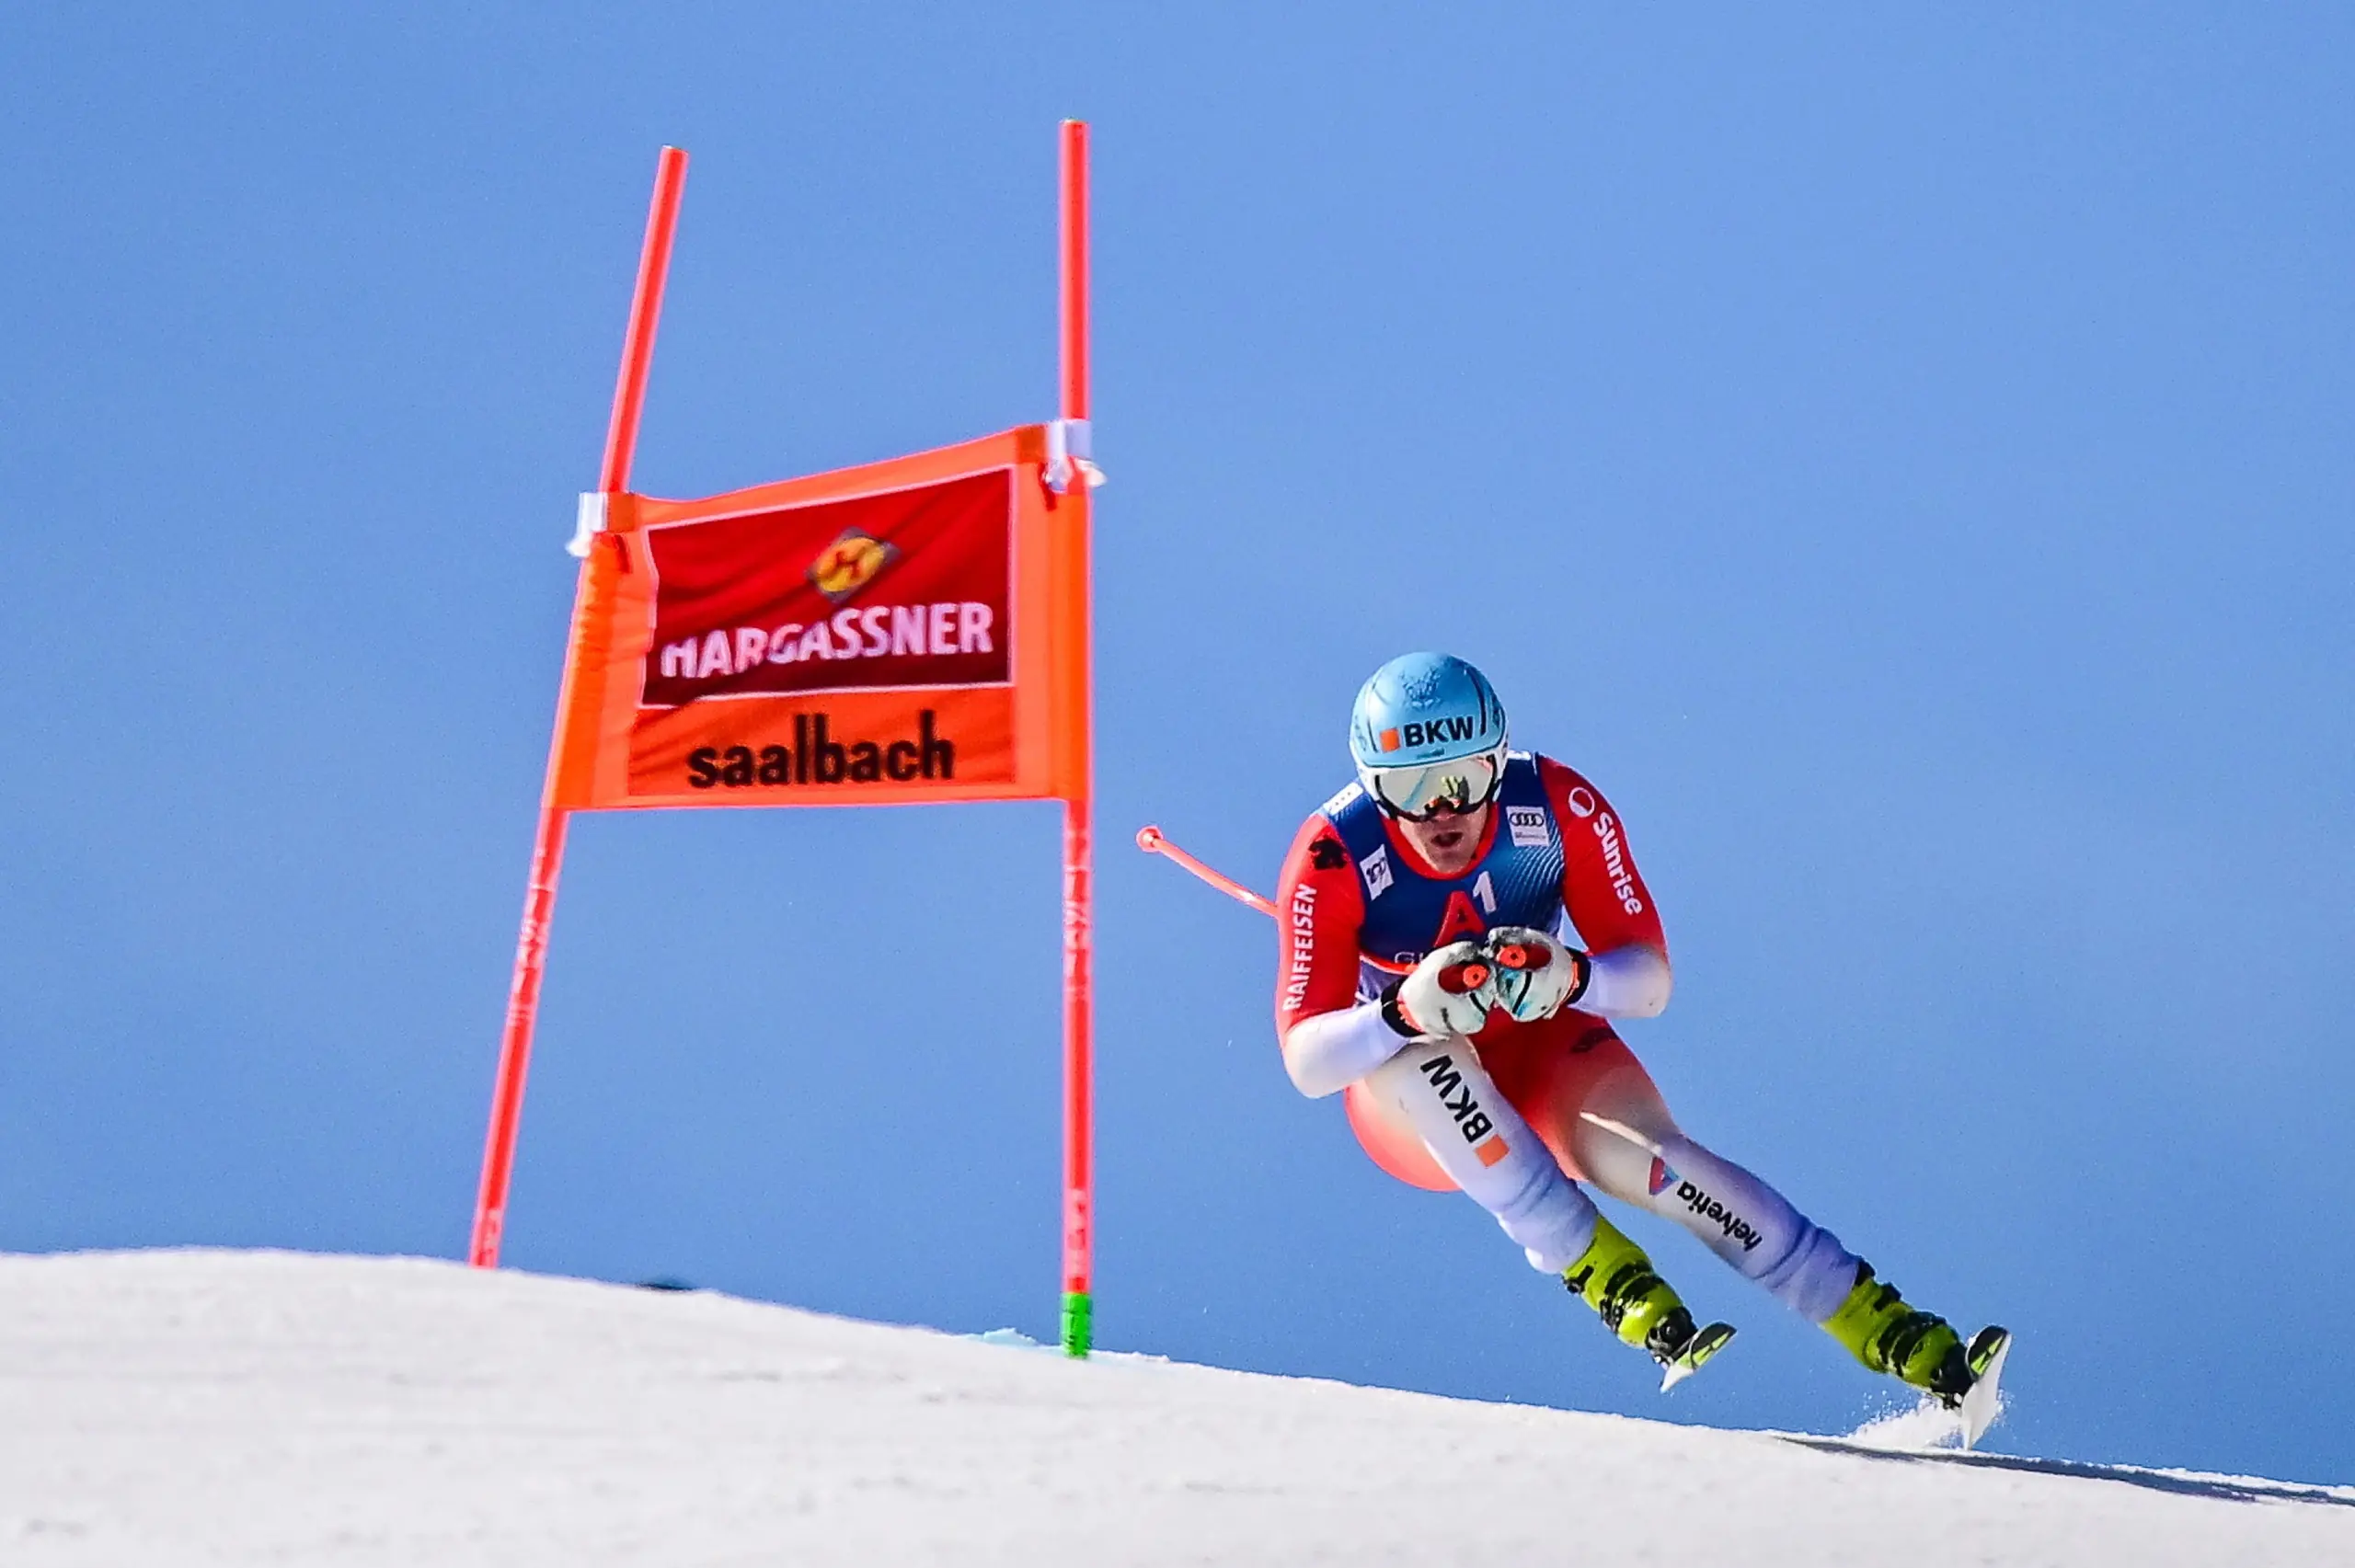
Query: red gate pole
column 1079, row 896
column 547, row 846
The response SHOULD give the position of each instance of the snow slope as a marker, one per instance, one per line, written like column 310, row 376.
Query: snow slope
column 200, row 1407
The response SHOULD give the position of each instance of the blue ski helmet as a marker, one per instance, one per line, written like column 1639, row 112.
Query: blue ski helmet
column 1422, row 708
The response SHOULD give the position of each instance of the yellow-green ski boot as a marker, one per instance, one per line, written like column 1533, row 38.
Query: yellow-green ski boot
column 1887, row 1335
column 1615, row 1277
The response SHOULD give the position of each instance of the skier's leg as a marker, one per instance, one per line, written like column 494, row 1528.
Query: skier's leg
column 1441, row 1091
column 1573, row 1067
column 1736, row 1215
column 1646, row 1160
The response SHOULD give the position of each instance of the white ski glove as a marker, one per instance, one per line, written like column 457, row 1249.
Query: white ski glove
column 1532, row 976
column 1447, row 993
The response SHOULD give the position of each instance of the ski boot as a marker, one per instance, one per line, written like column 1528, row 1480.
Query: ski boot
column 1918, row 1347
column 1615, row 1277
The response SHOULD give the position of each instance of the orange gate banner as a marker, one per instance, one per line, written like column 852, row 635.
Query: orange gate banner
column 907, row 631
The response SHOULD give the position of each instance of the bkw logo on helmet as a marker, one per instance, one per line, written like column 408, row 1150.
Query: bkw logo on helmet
column 1438, row 732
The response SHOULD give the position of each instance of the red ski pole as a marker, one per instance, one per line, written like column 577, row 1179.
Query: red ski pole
column 1150, row 840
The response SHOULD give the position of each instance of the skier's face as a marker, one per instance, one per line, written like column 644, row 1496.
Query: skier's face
column 1448, row 841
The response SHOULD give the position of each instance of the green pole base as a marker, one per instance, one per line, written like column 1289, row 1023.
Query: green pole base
column 1079, row 1322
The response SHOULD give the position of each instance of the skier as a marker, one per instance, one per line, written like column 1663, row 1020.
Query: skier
column 1428, row 974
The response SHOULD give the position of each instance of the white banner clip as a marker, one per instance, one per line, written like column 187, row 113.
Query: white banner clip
column 1070, row 447
column 587, row 524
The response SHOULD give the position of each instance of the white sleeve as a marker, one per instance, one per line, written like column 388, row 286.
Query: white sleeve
column 1626, row 982
column 1327, row 1053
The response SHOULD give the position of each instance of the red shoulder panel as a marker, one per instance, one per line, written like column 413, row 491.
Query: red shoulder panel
column 1601, row 887
column 1319, row 907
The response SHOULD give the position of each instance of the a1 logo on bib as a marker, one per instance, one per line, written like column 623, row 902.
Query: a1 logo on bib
column 1527, row 825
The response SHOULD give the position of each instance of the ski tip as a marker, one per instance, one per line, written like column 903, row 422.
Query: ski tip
column 1696, row 1354
column 1990, row 1348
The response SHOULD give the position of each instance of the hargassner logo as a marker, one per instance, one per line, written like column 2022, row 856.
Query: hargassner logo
column 902, row 590
column 854, row 559
column 880, row 630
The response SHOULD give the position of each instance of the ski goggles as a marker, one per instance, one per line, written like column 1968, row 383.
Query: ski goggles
column 1465, row 784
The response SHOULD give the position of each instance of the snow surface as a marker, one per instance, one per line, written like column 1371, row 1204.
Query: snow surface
column 197, row 1407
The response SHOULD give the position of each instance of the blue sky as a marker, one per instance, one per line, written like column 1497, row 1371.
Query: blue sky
column 1903, row 454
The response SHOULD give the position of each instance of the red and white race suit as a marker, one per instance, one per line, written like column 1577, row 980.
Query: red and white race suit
column 1516, row 1113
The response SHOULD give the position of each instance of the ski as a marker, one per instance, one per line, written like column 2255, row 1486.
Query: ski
column 1695, row 1354
column 1989, row 1348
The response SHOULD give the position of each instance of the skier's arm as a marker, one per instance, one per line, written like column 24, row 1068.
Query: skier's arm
column 1327, row 1053
column 1608, row 902
column 1627, row 982
column 1330, row 1039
